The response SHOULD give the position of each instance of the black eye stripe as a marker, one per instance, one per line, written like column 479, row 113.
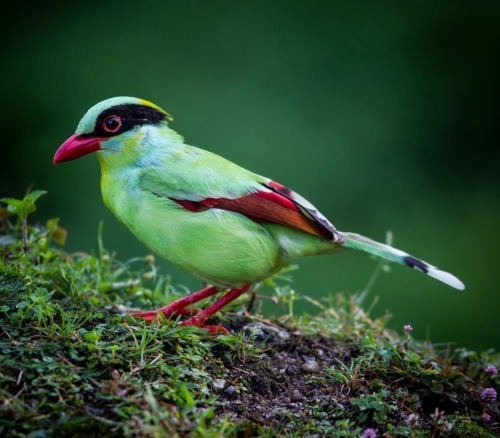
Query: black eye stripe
column 131, row 115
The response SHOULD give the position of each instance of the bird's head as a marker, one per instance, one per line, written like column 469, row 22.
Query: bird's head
column 112, row 119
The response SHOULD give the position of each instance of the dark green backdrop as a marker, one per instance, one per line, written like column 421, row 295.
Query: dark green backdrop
column 382, row 114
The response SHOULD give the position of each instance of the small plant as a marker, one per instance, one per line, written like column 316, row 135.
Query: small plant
column 374, row 405
column 22, row 208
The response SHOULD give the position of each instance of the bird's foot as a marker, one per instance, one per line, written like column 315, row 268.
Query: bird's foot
column 200, row 319
column 197, row 317
column 167, row 311
column 214, row 329
column 179, row 307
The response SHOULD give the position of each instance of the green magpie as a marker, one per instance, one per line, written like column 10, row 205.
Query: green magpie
column 204, row 214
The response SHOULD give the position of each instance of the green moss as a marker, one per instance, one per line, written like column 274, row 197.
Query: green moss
column 74, row 363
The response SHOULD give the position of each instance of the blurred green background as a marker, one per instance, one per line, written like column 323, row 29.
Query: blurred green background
column 384, row 115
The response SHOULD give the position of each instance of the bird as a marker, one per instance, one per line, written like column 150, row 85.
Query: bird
column 225, row 225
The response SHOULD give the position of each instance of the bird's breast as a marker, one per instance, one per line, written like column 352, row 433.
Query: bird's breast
column 221, row 247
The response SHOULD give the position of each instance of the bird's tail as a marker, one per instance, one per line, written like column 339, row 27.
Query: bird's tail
column 356, row 241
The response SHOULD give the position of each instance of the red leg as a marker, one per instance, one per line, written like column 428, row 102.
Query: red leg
column 200, row 319
column 179, row 307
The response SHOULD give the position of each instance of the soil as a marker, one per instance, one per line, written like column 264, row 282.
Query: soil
column 285, row 383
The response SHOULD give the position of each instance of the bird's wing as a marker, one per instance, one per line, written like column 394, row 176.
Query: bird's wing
column 281, row 207
column 198, row 180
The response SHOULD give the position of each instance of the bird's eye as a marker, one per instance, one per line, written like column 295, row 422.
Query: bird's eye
column 112, row 124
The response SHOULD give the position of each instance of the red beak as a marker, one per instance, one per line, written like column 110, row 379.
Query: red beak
column 76, row 147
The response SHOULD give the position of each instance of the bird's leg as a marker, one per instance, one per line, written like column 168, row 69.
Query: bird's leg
column 179, row 307
column 200, row 319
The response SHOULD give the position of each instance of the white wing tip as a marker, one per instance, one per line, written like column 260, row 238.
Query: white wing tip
column 446, row 277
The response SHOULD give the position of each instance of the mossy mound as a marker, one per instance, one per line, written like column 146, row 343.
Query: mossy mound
column 73, row 363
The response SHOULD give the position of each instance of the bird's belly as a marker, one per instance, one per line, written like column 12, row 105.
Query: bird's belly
column 218, row 246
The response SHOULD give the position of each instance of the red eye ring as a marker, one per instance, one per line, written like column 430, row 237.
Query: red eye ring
column 112, row 124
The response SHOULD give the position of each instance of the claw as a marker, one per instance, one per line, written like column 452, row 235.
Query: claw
column 214, row 329
column 147, row 316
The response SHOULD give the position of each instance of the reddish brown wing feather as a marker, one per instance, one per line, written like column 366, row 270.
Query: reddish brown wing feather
column 272, row 207
column 263, row 207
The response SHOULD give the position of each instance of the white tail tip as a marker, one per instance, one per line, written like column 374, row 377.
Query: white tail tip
column 445, row 277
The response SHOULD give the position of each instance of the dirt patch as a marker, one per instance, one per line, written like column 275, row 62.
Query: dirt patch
column 285, row 383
